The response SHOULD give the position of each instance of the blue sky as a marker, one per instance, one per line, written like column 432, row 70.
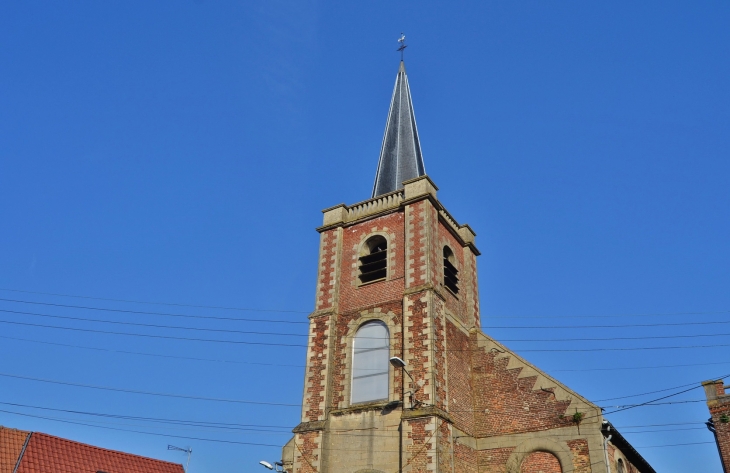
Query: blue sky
column 181, row 152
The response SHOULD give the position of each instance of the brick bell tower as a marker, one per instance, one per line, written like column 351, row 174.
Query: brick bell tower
column 399, row 376
column 392, row 270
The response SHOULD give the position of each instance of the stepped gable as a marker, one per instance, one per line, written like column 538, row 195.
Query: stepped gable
column 11, row 445
column 515, row 395
column 48, row 454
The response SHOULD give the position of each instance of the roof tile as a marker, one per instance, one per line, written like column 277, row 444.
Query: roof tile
column 11, row 444
column 48, row 454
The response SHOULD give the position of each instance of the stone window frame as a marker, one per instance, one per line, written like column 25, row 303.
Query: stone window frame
column 347, row 344
column 445, row 244
column 389, row 257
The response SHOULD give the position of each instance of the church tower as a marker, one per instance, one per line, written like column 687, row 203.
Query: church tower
column 399, row 375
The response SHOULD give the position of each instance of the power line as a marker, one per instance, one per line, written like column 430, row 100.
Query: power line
column 142, row 432
column 266, row 428
column 172, row 304
column 248, row 309
column 237, row 401
column 661, row 398
column 241, row 342
column 166, row 314
column 650, row 392
column 214, row 360
column 153, row 419
column 145, row 335
column 232, row 441
column 157, row 355
column 138, row 324
column 641, row 367
column 148, row 393
column 248, row 332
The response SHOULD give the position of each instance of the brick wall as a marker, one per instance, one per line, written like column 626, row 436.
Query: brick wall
column 356, row 297
column 581, row 459
column 720, row 412
column 494, row 460
column 419, row 445
column 307, row 452
column 459, row 378
column 465, row 459
column 718, row 402
column 507, row 404
column 540, row 462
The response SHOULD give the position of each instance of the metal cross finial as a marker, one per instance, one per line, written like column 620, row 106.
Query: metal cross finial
column 402, row 41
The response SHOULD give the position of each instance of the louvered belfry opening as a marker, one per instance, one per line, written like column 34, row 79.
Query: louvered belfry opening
column 374, row 264
column 451, row 279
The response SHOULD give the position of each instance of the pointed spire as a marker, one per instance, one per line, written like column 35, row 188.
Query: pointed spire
column 400, row 154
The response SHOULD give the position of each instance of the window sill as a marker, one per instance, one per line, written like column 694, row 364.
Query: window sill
column 362, row 406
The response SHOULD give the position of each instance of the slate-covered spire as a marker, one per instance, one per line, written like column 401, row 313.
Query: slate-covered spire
column 400, row 154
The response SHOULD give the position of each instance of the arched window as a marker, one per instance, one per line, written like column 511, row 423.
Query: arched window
column 370, row 364
column 374, row 259
column 620, row 466
column 450, row 272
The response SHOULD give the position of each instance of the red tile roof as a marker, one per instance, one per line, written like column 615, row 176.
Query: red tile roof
column 48, row 454
column 11, row 444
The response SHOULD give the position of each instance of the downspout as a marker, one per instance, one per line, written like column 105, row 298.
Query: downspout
column 605, row 448
column 711, row 427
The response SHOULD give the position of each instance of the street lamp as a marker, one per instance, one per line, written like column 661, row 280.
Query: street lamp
column 399, row 363
column 277, row 466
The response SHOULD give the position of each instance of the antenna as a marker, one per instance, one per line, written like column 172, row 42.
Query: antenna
column 187, row 450
column 403, row 45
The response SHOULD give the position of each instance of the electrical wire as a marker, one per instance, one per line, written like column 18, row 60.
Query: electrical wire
column 279, row 334
column 210, row 317
column 165, row 314
column 239, row 442
column 138, row 324
column 653, row 314
column 148, row 393
column 241, row 342
column 177, row 327
column 238, row 401
column 214, row 360
column 171, row 304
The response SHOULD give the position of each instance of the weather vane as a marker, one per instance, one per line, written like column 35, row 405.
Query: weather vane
column 403, row 45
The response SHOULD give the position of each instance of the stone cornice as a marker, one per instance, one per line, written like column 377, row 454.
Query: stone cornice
column 427, row 411
column 310, row 426
column 321, row 313
column 415, row 190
